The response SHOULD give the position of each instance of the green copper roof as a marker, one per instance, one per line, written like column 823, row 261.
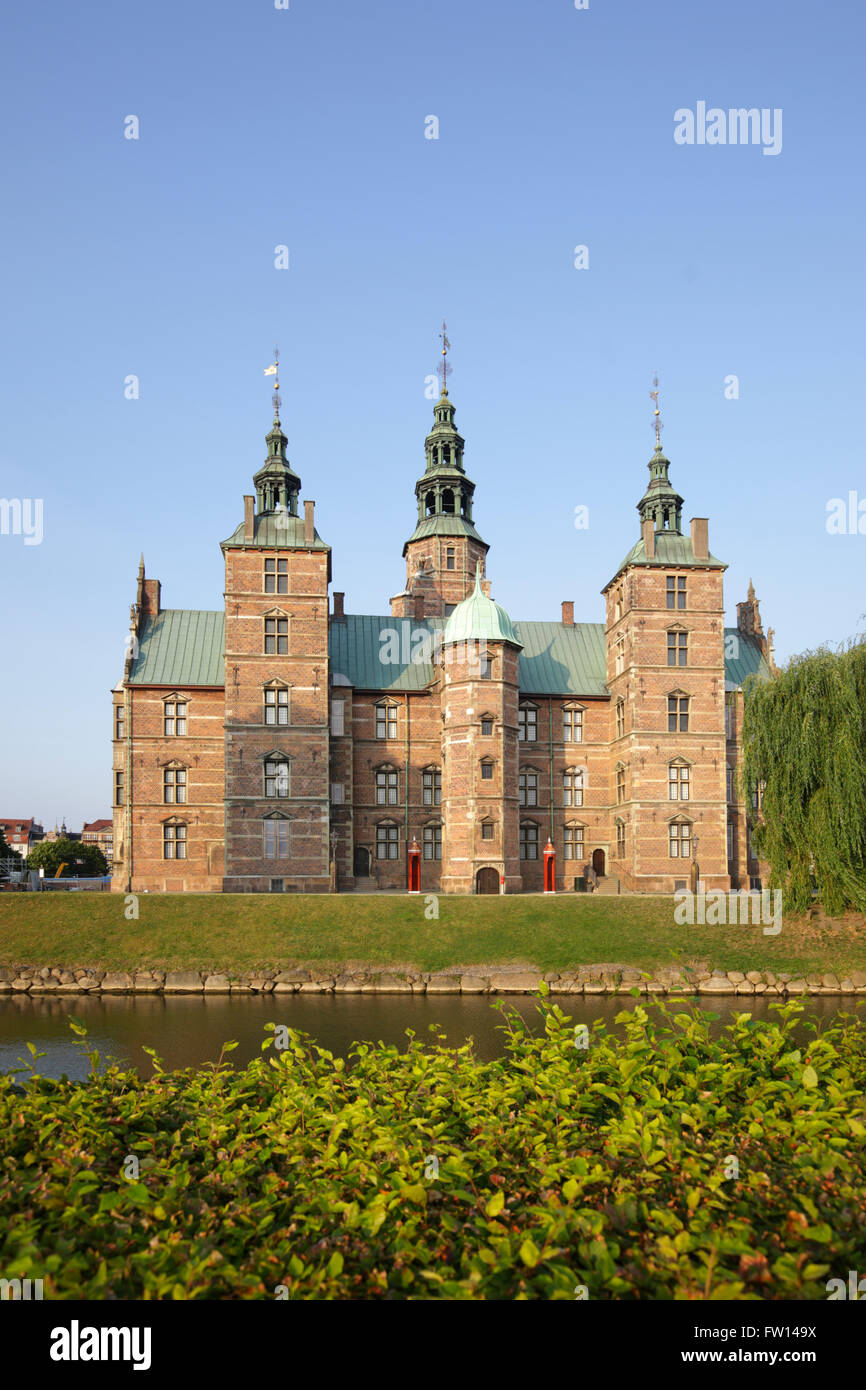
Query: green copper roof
column 743, row 658
column 479, row 619
column 184, row 647
column 670, row 549
column 181, row 647
column 376, row 653
column 274, row 529
column 445, row 524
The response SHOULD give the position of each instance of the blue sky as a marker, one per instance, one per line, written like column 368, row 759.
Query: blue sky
column 306, row 127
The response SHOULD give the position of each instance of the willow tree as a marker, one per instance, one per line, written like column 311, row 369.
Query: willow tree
column 804, row 738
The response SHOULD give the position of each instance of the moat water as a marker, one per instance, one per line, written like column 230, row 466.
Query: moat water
column 190, row 1031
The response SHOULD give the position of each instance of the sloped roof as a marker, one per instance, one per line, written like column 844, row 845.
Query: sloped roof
column 184, row 647
column 181, row 646
column 745, row 659
column 671, row 548
column 445, row 524
column 272, row 530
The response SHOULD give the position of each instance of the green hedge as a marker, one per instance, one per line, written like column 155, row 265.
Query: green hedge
column 559, row 1166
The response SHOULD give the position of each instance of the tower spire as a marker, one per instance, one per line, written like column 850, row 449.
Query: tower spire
column 445, row 369
column 657, row 419
column 274, row 371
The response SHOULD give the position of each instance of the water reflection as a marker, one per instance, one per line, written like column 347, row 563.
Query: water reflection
column 190, row 1031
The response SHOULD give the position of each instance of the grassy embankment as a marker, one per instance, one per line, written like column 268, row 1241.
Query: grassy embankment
column 238, row 933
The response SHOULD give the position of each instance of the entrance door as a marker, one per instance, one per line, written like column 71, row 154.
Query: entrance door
column 361, row 865
column 598, row 862
column 487, row 881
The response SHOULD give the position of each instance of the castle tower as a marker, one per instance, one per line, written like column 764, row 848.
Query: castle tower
column 277, row 571
column 665, row 644
column 480, row 655
column 444, row 549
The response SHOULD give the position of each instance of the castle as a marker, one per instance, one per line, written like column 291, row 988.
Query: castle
column 283, row 744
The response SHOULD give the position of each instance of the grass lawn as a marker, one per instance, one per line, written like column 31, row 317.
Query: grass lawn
column 241, row 932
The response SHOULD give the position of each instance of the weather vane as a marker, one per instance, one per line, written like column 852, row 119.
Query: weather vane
column 274, row 371
column 657, row 419
column 444, row 370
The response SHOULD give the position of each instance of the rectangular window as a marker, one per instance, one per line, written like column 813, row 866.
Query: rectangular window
column 276, row 839
column 486, row 668
column 449, row 557
column 729, row 783
column 572, row 787
column 432, row 841
column 487, row 830
column 174, row 785
column 277, row 706
column 620, row 785
column 729, row 719
column 529, row 841
column 676, row 591
column 174, row 719
column 118, row 789
column 678, row 714
column 677, row 648
column 277, row 885
column 387, row 841
column 620, row 839
column 487, row 771
column 276, row 636
column 574, row 842
column 731, row 842
column 432, row 787
column 276, row 576
column 337, row 718
column 680, row 841
column 486, row 728
column 386, row 721
column 678, row 782
column 620, row 718
column 619, row 655
column 276, row 779
column 572, row 725
column 338, row 793
column 386, row 787
column 527, row 788
column 174, row 842
column 527, row 724
column 119, row 721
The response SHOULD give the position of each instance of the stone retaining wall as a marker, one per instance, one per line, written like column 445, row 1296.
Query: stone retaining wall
column 587, row 979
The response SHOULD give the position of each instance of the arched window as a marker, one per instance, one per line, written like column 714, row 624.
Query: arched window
column 430, row 504
column 448, row 501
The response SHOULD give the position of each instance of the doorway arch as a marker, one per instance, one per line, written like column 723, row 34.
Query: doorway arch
column 487, row 881
column 598, row 862
column 361, row 864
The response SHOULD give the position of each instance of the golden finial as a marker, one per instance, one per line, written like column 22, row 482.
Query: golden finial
column 274, row 371
column 657, row 419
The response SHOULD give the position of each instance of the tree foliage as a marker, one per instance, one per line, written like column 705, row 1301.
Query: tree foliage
column 658, row 1162
column 81, row 860
column 804, row 737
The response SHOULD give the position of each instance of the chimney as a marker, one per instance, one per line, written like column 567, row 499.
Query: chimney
column 568, row 612
column 249, row 518
column 648, row 531
column 309, row 524
column 151, row 594
column 338, row 605
column 700, row 537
